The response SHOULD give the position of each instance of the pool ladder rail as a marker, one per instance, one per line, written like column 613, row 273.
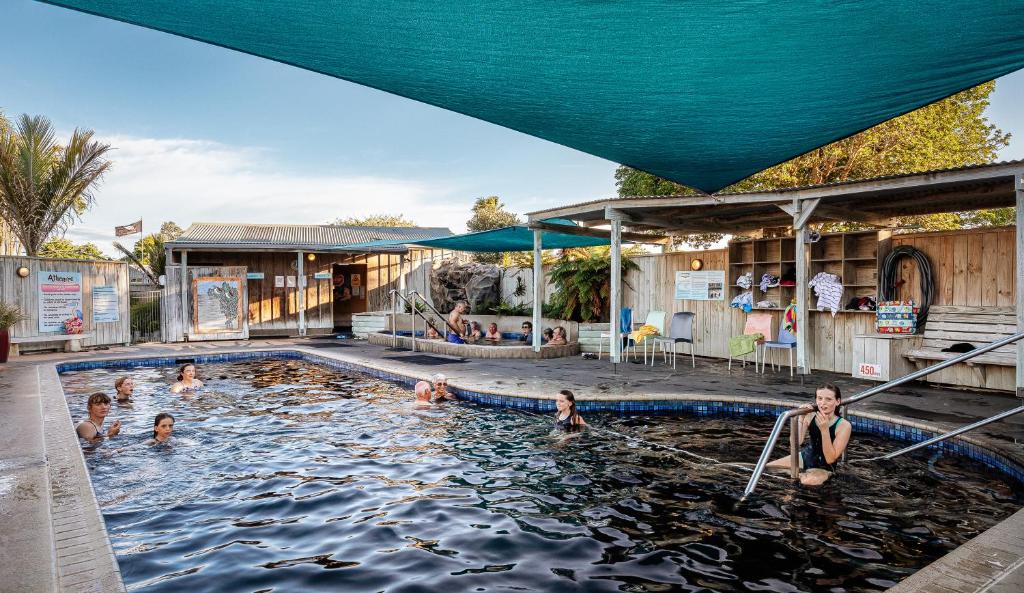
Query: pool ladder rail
column 794, row 416
column 414, row 295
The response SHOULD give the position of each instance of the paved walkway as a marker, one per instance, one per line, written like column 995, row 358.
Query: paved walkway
column 53, row 537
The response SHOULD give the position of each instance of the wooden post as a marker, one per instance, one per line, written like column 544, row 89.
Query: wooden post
column 538, row 288
column 301, row 285
column 186, row 321
column 1019, row 267
column 401, row 273
column 615, row 308
column 803, row 316
column 794, row 447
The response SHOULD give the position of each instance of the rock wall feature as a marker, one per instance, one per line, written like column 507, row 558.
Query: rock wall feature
column 477, row 284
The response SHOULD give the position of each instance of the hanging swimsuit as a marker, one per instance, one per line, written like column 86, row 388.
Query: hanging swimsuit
column 812, row 456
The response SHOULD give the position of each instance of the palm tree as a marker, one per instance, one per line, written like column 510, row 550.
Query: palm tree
column 44, row 186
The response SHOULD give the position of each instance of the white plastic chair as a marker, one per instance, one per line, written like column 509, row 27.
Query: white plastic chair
column 656, row 319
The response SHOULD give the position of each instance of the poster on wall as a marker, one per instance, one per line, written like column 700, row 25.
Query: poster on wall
column 60, row 299
column 357, row 280
column 278, row 281
column 291, row 281
column 105, row 307
column 700, row 286
column 218, row 305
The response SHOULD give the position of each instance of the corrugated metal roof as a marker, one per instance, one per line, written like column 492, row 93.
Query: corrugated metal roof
column 783, row 190
column 308, row 236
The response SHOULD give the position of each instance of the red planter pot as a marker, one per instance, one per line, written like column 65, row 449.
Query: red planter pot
column 5, row 344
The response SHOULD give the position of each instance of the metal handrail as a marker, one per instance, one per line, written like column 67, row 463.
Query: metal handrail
column 953, row 433
column 780, row 422
column 415, row 294
column 412, row 307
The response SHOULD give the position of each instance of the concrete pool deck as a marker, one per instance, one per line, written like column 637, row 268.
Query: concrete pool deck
column 53, row 537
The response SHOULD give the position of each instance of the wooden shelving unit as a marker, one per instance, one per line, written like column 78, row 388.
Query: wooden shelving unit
column 853, row 256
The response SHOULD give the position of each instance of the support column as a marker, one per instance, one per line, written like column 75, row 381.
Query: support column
column 1019, row 270
column 538, row 288
column 186, row 321
column 803, row 270
column 301, row 285
column 401, row 273
column 615, row 306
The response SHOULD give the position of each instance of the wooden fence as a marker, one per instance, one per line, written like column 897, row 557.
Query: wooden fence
column 24, row 292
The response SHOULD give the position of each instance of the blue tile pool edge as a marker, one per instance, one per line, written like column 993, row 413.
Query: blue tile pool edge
column 862, row 423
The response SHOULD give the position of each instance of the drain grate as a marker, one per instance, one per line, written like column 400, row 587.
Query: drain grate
column 426, row 359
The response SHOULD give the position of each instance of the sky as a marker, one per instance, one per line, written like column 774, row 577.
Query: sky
column 205, row 134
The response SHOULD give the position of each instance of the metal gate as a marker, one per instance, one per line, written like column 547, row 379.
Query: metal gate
column 145, row 314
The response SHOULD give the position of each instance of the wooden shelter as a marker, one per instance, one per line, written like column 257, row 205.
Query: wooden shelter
column 873, row 202
column 291, row 279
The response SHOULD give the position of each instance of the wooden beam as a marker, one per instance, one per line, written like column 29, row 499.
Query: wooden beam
column 615, row 347
column 600, row 233
column 538, row 289
column 1019, row 267
column 803, row 270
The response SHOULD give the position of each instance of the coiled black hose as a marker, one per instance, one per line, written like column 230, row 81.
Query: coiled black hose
column 890, row 268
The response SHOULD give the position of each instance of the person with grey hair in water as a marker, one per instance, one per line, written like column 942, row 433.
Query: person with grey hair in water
column 422, row 394
column 441, row 387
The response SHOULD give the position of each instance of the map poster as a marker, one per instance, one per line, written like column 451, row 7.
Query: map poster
column 700, row 286
column 217, row 305
column 105, row 306
column 60, row 299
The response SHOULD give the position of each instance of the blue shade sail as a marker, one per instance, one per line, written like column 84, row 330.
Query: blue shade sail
column 702, row 92
column 511, row 238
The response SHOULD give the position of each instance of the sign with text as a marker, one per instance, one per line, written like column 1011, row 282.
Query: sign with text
column 700, row 286
column 254, row 275
column 60, row 299
column 322, row 276
column 278, row 281
column 870, row 370
column 105, row 306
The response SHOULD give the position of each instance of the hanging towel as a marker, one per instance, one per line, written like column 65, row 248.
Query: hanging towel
column 745, row 344
column 789, row 319
column 829, row 289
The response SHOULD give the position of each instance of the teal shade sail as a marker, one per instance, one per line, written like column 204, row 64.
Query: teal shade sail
column 703, row 92
column 512, row 238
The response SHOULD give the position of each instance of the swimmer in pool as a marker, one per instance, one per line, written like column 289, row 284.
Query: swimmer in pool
column 546, row 335
column 441, row 387
column 422, row 394
column 567, row 417
column 186, row 379
column 492, row 334
column 432, row 333
column 91, row 428
column 558, row 339
column 475, row 333
column 124, row 386
column 455, row 321
column 163, row 426
column 829, row 432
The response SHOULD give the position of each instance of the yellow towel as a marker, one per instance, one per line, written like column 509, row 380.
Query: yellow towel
column 644, row 332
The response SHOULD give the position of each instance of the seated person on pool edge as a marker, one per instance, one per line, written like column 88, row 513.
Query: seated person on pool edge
column 163, row 426
column 455, row 321
column 92, row 427
column 124, row 386
column 829, row 436
column 187, row 380
column 567, row 417
column 422, row 393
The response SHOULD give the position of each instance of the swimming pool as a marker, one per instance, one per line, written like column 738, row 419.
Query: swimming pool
column 290, row 476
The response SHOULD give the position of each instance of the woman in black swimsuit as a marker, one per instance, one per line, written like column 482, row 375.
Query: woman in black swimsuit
column 829, row 435
column 567, row 417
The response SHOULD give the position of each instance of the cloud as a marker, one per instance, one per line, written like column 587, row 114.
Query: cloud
column 187, row 180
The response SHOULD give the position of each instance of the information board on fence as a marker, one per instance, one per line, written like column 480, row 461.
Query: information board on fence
column 60, row 299
column 700, row 286
column 105, row 304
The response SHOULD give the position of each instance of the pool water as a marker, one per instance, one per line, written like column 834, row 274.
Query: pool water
column 286, row 476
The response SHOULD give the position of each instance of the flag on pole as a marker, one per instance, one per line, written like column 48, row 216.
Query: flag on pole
column 128, row 229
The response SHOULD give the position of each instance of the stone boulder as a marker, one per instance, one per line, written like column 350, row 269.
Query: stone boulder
column 477, row 284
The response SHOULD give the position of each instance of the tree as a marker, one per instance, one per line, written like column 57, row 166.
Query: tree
column 582, row 281
column 61, row 248
column 385, row 220
column 488, row 214
column 170, row 231
column 953, row 132
column 44, row 186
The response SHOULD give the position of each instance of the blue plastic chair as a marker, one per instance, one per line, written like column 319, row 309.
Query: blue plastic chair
column 786, row 341
column 625, row 326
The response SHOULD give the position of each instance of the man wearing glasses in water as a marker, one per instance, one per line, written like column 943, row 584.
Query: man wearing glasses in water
column 441, row 387
column 527, row 332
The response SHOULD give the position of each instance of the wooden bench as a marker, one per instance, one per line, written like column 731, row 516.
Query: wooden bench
column 978, row 326
column 72, row 342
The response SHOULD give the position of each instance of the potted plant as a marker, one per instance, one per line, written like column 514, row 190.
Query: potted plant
column 9, row 315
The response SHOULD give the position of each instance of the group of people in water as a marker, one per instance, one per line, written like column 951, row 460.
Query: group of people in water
column 463, row 330
column 824, row 434
column 98, row 408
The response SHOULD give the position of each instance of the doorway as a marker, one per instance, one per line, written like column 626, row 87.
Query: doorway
column 349, row 294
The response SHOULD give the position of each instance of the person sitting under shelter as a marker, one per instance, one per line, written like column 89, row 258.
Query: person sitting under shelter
column 125, row 387
column 422, row 394
column 829, row 432
column 91, row 428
